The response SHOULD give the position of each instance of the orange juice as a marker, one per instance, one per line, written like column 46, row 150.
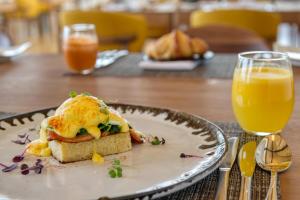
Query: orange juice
column 80, row 52
column 262, row 98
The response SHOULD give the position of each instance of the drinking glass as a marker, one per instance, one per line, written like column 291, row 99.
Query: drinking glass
column 80, row 46
column 263, row 92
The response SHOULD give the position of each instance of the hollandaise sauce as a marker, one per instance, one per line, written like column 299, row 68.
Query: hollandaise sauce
column 81, row 117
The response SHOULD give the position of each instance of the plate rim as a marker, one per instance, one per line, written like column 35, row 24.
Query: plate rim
column 205, row 56
column 143, row 194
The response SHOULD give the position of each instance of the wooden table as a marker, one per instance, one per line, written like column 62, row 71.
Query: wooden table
column 36, row 82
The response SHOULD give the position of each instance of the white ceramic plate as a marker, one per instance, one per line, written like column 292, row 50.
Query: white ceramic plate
column 175, row 65
column 148, row 171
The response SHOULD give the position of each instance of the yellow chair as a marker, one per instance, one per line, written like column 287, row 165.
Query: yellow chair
column 115, row 30
column 29, row 9
column 263, row 23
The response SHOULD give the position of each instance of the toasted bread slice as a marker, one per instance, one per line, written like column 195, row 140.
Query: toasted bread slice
column 71, row 152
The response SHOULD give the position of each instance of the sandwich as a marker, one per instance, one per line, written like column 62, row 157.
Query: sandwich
column 81, row 126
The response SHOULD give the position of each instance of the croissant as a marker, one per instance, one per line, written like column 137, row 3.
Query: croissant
column 175, row 45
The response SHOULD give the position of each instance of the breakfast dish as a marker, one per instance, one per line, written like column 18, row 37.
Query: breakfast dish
column 149, row 171
column 176, row 46
column 81, row 126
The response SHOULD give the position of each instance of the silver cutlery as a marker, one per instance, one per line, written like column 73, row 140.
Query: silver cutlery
column 226, row 167
column 106, row 58
column 247, row 167
column 14, row 50
column 274, row 155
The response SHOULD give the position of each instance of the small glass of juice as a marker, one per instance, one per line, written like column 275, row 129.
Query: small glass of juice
column 263, row 92
column 80, row 47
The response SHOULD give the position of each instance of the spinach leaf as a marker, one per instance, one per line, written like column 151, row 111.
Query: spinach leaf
column 82, row 131
column 111, row 127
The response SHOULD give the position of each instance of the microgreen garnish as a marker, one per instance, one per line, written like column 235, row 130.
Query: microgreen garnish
column 115, row 171
column 183, row 155
column 8, row 168
column 22, row 135
column 73, row 94
column 19, row 158
column 156, row 141
column 103, row 108
column 24, row 139
column 86, row 94
column 102, row 103
column 37, row 167
column 104, row 111
column 24, row 169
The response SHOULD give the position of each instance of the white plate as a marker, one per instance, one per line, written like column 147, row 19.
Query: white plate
column 175, row 65
column 148, row 171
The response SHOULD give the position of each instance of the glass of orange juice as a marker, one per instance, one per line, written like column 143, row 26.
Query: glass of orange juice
column 263, row 92
column 80, row 47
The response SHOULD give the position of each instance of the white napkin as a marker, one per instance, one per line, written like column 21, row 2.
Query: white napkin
column 168, row 65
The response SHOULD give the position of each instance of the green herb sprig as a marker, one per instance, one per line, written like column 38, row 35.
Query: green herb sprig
column 115, row 171
column 156, row 141
column 73, row 94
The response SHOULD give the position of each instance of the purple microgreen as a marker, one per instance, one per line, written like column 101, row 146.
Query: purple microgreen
column 183, row 155
column 38, row 169
column 9, row 168
column 19, row 158
column 2, row 165
column 18, row 142
column 22, row 135
column 25, row 140
column 24, row 169
column 38, row 161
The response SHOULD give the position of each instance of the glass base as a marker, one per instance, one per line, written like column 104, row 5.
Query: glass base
column 87, row 71
column 83, row 72
column 262, row 133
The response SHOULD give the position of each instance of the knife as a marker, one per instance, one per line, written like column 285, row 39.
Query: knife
column 247, row 166
column 226, row 167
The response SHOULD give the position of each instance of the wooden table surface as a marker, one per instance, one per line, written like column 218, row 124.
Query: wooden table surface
column 35, row 82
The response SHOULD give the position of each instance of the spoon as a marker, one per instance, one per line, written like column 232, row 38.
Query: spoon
column 274, row 155
column 14, row 50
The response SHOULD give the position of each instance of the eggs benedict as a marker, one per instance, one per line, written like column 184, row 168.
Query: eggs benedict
column 80, row 126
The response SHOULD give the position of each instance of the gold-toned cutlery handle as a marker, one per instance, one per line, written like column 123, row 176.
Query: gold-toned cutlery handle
column 272, row 191
column 222, row 185
column 245, row 191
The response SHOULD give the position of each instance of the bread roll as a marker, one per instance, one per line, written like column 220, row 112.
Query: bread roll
column 71, row 152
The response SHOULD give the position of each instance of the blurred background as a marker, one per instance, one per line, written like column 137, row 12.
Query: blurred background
column 227, row 26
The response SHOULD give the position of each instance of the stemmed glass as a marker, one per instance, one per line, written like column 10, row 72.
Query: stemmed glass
column 263, row 92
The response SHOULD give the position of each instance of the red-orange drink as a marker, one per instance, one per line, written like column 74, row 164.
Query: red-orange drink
column 80, row 53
